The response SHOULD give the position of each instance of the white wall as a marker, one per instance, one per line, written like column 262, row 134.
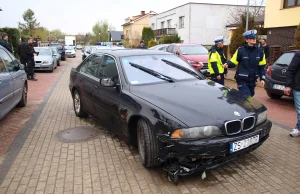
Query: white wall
column 205, row 23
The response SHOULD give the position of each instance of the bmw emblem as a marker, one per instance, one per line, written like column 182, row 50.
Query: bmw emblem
column 236, row 113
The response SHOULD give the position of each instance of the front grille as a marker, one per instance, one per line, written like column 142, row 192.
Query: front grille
column 233, row 127
column 248, row 123
column 38, row 61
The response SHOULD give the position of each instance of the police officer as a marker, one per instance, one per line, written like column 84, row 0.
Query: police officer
column 250, row 61
column 217, row 60
column 29, row 58
column 142, row 45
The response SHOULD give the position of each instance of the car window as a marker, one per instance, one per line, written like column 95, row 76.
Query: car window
column 193, row 50
column 285, row 59
column 108, row 68
column 170, row 48
column 2, row 67
column 162, row 48
column 91, row 66
column 10, row 63
column 175, row 49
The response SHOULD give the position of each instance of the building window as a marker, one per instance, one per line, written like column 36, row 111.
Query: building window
column 169, row 23
column 162, row 25
column 181, row 22
column 291, row 3
column 152, row 26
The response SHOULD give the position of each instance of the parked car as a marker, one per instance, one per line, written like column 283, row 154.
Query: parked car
column 13, row 83
column 160, row 47
column 79, row 47
column 174, row 115
column 70, row 52
column 57, row 55
column 275, row 75
column 86, row 52
column 195, row 54
column 61, row 50
column 46, row 60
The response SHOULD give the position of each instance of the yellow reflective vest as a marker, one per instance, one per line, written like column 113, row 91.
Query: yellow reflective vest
column 214, row 59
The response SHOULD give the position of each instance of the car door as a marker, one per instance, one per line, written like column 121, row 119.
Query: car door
column 6, row 88
column 108, row 98
column 18, row 75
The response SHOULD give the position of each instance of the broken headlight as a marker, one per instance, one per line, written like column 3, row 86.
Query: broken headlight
column 262, row 117
column 196, row 132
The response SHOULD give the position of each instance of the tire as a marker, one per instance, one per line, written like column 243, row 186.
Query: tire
column 23, row 101
column 78, row 105
column 274, row 96
column 58, row 63
column 148, row 144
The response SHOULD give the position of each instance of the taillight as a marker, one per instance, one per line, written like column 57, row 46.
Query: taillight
column 269, row 72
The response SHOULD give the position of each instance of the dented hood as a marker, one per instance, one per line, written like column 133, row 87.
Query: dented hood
column 198, row 102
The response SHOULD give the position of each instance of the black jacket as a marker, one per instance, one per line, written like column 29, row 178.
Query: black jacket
column 266, row 51
column 21, row 52
column 28, row 52
column 292, row 79
column 141, row 47
column 5, row 45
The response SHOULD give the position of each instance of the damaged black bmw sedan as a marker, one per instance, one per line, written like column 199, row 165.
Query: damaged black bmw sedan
column 175, row 116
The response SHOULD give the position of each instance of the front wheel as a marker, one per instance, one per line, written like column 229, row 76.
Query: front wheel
column 274, row 96
column 78, row 106
column 148, row 144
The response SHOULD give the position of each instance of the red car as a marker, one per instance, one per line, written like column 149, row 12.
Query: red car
column 195, row 54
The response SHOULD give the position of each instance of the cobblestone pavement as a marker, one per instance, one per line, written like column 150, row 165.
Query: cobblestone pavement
column 40, row 163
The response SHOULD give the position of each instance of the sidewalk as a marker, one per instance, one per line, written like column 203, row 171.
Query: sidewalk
column 39, row 163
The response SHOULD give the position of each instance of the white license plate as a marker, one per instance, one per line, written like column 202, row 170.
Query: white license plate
column 239, row 145
column 278, row 87
column 37, row 65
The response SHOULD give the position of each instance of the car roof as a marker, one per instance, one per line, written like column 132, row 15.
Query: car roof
column 185, row 44
column 132, row 52
column 292, row 51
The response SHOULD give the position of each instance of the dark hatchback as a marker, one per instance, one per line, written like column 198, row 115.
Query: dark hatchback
column 175, row 116
column 275, row 75
column 61, row 49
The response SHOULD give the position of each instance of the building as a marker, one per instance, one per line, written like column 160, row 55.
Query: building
column 116, row 36
column 133, row 26
column 196, row 22
column 281, row 20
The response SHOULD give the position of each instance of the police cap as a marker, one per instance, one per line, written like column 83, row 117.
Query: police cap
column 250, row 34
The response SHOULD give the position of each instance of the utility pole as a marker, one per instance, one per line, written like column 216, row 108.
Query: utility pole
column 247, row 18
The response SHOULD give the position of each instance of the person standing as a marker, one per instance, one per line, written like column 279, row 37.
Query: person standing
column 216, row 61
column 21, row 51
column 265, row 47
column 29, row 58
column 250, row 61
column 142, row 45
column 5, row 44
column 292, row 84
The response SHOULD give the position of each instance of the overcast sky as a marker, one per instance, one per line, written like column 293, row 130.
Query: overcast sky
column 78, row 16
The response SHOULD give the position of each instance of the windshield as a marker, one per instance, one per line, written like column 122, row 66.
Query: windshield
column 43, row 52
column 69, row 47
column 58, row 46
column 155, row 63
column 193, row 50
column 286, row 59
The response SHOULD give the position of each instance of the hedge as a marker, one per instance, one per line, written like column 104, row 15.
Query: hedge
column 13, row 36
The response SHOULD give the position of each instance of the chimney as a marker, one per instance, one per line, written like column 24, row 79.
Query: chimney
column 142, row 12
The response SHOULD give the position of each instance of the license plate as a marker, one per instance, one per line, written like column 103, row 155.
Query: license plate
column 239, row 145
column 37, row 65
column 278, row 87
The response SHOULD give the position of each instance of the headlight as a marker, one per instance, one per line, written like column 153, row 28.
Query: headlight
column 196, row 132
column 46, row 62
column 262, row 117
column 191, row 61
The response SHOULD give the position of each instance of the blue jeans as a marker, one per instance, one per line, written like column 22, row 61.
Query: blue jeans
column 247, row 89
column 297, row 105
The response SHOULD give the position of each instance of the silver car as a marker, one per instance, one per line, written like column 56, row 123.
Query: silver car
column 13, row 83
column 46, row 60
column 57, row 55
column 160, row 47
column 70, row 51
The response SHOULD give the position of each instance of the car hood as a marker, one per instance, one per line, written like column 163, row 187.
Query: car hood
column 43, row 58
column 198, row 58
column 198, row 103
column 72, row 51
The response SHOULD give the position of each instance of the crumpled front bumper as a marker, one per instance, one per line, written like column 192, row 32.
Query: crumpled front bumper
column 208, row 154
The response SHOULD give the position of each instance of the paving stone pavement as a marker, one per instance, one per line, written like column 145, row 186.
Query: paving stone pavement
column 106, row 164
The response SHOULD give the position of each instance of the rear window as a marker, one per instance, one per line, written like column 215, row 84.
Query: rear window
column 285, row 59
column 193, row 50
column 58, row 46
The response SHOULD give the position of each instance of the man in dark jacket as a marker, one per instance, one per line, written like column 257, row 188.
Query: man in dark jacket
column 4, row 43
column 21, row 51
column 292, row 82
column 29, row 58
column 142, row 45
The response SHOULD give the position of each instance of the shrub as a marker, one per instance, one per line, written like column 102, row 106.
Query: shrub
column 13, row 36
column 297, row 37
column 152, row 43
column 170, row 39
column 147, row 34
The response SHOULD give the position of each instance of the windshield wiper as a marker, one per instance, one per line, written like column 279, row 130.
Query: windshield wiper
column 152, row 72
column 182, row 68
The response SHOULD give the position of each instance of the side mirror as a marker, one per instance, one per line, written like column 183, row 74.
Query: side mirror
column 107, row 82
column 54, row 55
column 21, row 67
column 176, row 53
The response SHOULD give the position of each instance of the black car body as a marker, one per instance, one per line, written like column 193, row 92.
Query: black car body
column 275, row 76
column 173, row 113
column 61, row 49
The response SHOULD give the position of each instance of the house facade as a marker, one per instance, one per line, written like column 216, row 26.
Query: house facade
column 133, row 26
column 196, row 22
column 281, row 20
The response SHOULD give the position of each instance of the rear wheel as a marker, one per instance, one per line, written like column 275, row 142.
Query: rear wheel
column 148, row 144
column 58, row 63
column 274, row 96
column 78, row 106
column 23, row 101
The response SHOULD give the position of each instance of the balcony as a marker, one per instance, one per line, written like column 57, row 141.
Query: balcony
column 164, row 31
